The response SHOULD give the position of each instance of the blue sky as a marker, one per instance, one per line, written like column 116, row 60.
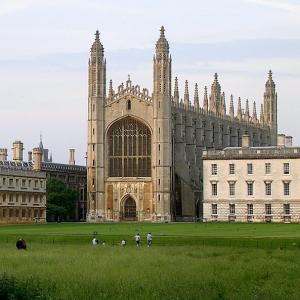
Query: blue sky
column 45, row 46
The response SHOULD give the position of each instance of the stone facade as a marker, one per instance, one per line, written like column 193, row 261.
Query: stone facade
column 252, row 184
column 22, row 193
column 74, row 176
column 153, row 143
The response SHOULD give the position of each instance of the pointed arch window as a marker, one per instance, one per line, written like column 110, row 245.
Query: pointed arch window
column 129, row 150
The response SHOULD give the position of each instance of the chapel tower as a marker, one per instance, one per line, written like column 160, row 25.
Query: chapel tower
column 270, row 108
column 162, row 141
column 95, row 151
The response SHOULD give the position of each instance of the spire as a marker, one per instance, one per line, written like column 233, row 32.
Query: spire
column 176, row 92
column 239, row 109
column 196, row 98
column 215, row 98
column 162, row 45
column 186, row 95
column 231, row 107
column 223, row 105
column 110, row 90
column 247, row 113
column 97, row 48
column 128, row 82
column 254, row 115
column 41, row 146
column 261, row 117
column 205, row 100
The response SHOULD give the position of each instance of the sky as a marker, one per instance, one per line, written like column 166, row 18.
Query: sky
column 44, row 51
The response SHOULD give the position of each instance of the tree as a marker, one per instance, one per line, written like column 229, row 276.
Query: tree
column 60, row 200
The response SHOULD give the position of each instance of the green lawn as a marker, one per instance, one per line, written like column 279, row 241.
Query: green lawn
column 187, row 261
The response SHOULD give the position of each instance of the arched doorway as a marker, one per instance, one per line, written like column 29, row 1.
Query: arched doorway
column 129, row 210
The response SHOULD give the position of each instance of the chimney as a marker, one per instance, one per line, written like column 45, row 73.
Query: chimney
column 246, row 140
column 29, row 156
column 281, row 140
column 18, row 151
column 72, row 157
column 37, row 159
column 288, row 141
column 3, row 154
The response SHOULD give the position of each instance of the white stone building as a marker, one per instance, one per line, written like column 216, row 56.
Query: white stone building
column 252, row 184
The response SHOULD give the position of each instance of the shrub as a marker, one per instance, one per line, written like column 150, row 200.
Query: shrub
column 12, row 288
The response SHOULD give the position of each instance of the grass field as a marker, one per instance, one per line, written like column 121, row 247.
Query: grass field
column 187, row 261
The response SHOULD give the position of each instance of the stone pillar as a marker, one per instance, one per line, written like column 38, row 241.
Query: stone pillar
column 18, row 151
column 29, row 156
column 3, row 154
column 71, row 156
column 37, row 159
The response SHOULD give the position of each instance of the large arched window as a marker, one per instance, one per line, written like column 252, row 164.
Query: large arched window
column 129, row 150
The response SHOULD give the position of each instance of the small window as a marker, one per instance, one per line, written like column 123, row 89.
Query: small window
column 268, row 186
column 231, row 188
column 286, row 188
column 250, row 169
column 250, row 188
column 128, row 104
column 286, row 168
column 214, row 169
column 231, row 169
column 286, row 209
column 4, row 181
column 214, row 209
column 232, row 209
column 250, row 209
column 214, row 189
column 11, row 182
column 268, row 168
column 268, row 209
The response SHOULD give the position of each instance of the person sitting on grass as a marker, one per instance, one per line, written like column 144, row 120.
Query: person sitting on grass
column 21, row 244
column 137, row 238
column 123, row 243
column 95, row 241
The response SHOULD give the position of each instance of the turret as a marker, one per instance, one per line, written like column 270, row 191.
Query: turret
column 162, row 140
column 95, row 151
column 223, row 105
column 270, row 108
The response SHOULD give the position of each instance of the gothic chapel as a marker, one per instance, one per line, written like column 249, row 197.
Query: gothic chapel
column 144, row 149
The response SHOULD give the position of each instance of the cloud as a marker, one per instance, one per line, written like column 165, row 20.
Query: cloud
column 289, row 6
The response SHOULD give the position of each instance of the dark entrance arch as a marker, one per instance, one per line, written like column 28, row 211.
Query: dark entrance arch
column 129, row 210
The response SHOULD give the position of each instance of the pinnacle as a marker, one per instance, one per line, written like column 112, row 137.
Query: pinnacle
column 270, row 74
column 97, row 35
column 162, row 31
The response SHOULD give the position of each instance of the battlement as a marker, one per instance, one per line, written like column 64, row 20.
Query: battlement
column 128, row 89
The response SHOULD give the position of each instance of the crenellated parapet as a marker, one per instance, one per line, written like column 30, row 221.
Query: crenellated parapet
column 129, row 89
column 214, row 104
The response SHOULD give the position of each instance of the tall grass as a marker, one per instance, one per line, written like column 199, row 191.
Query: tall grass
column 169, row 272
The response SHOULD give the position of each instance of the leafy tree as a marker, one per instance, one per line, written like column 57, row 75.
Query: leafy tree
column 60, row 200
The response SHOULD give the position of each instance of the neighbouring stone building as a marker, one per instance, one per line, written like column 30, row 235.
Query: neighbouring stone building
column 252, row 184
column 37, row 166
column 22, row 189
column 144, row 156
